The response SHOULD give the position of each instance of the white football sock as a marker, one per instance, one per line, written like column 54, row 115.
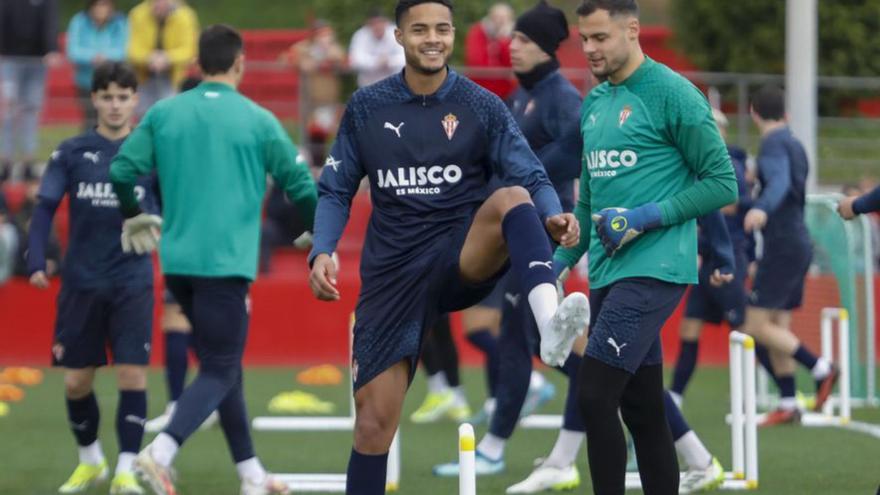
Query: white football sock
column 437, row 383
column 543, row 301
column 693, row 451
column 460, row 398
column 492, row 447
column 489, row 406
column 163, row 449
column 565, row 451
column 251, row 470
column 125, row 461
column 788, row 403
column 91, row 454
column 821, row 369
column 536, row 380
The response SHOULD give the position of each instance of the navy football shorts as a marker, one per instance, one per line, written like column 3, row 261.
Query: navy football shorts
column 393, row 312
column 627, row 317
column 717, row 304
column 89, row 321
column 779, row 282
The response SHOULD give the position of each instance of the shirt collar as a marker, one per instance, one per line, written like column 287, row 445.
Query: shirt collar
column 439, row 95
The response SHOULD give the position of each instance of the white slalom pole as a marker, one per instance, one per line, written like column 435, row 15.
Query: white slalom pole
column 736, row 404
column 843, row 383
column 828, row 315
column 467, row 475
column 751, row 420
column 392, row 477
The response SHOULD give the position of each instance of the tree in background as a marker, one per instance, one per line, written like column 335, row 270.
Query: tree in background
column 749, row 35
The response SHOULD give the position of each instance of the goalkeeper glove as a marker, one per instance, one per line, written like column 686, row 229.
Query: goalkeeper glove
column 141, row 233
column 618, row 226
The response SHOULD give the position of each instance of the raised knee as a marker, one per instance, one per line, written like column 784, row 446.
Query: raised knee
column 515, row 195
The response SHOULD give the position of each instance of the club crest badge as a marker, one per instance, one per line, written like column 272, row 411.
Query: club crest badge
column 450, row 124
column 624, row 115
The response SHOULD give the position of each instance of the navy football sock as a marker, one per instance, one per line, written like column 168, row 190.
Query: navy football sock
column 684, row 367
column 483, row 340
column 84, row 417
column 805, row 357
column 176, row 362
column 130, row 414
column 786, row 386
column 366, row 474
column 677, row 423
column 445, row 350
column 529, row 247
column 571, row 416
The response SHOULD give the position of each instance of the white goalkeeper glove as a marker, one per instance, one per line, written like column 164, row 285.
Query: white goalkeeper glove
column 141, row 233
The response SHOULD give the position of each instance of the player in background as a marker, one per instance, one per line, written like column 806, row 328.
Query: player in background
column 438, row 241
column 106, row 297
column 778, row 288
column 851, row 207
column 546, row 109
column 714, row 304
column 178, row 341
column 211, row 148
column 653, row 163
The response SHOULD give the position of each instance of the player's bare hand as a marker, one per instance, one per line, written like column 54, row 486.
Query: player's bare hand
column 717, row 279
column 323, row 278
column 845, row 208
column 755, row 220
column 564, row 229
column 40, row 280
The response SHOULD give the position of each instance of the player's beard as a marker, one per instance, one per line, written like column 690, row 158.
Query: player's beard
column 412, row 60
column 612, row 65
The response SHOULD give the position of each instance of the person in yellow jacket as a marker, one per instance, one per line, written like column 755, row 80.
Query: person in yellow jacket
column 162, row 45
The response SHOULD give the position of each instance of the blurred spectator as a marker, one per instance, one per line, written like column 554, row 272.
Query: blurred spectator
column 487, row 45
column 28, row 44
column 163, row 43
column 22, row 221
column 319, row 59
column 8, row 241
column 374, row 52
column 97, row 34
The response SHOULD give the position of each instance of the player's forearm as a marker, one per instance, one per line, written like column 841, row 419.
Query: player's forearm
column 331, row 216
column 777, row 175
column 123, row 186
column 570, row 256
column 714, row 229
column 711, row 193
column 38, row 234
column 868, row 202
column 306, row 202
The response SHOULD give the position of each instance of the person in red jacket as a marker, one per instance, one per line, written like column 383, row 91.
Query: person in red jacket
column 488, row 46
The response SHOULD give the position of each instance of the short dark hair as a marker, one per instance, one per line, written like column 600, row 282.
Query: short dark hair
column 219, row 46
column 403, row 7
column 769, row 102
column 114, row 72
column 614, row 7
column 91, row 3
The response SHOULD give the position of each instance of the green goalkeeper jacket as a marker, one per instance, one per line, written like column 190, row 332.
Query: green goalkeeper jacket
column 212, row 148
column 649, row 139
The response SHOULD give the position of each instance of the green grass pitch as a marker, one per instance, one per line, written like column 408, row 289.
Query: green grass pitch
column 38, row 451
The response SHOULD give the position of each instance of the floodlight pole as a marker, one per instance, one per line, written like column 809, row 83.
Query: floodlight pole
column 801, row 61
